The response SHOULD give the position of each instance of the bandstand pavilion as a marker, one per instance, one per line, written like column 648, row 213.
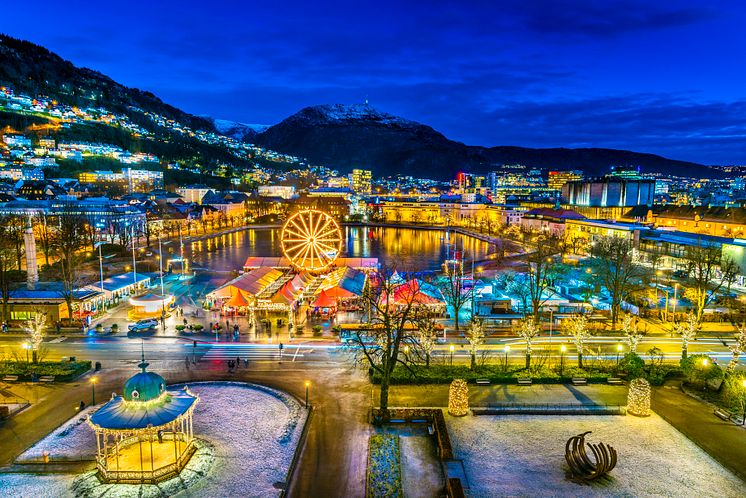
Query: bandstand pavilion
column 145, row 435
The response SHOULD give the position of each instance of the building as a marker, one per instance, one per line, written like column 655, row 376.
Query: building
column 716, row 221
column 626, row 172
column 142, row 180
column 193, row 193
column 580, row 234
column 609, row 192
column 549, row 221
column 361, row 181
column 558, row 179
column 282, row 191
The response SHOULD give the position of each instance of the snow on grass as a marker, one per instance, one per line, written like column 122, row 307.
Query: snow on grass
column 254, row 431
column 73, row 440
column 524, row 456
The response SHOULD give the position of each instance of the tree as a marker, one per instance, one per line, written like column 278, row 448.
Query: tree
column 703, row 262
column 577, row 327
column 44, row 234
column 426, row 337
column 542, row 272
column 528, row 329
column 68, row 240
column 612, row 259
column 629, row 327
column 393, row 324
column 687, row 329
column 452, row 285
column 738, row 347
column 8, row 273
column 36, row 331
column 475, row 337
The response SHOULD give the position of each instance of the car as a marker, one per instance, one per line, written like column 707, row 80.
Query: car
column 149, row 323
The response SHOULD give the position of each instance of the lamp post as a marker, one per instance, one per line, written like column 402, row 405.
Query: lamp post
column 563, row 349
column 675, row 300
column 308, row 383
column 618, row 350
column 93, row 390
column 25, row 346
column 507, row 350
column 451, row 348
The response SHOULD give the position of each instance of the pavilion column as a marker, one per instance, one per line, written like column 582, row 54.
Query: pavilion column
column 152, row 464
column 117, row 439
column 176, row 451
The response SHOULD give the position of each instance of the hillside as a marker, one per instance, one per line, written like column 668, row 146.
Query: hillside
column 32, row 69
column 347, row 136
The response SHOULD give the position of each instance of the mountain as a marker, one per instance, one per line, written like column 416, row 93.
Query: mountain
column 33, row 70
column 240, row 131
column 359, row 136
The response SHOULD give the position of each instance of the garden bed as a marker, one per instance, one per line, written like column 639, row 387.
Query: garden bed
column 384, row 466
column 63, row 371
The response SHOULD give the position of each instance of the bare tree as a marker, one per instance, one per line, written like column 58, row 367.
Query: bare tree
column 612, row 258
column 452, row 285
column 36, row 331
column 629, row 327
column 542, row 272
column 738, row 347
column 687, row 329
column 394, row 316
column 69, row 238
column 475, row 337
column 708, row 272
column 528, row 329
column 44, row 234
column 577, row 327
column 8, row 274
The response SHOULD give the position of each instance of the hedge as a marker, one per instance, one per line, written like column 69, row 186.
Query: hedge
column 496, row 374
column 62, row 370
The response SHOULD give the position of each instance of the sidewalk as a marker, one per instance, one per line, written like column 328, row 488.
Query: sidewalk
column 723, row 441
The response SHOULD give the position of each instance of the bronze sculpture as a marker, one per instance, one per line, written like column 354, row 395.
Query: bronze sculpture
column 581, row 465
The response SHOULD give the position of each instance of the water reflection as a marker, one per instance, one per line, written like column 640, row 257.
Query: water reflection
column 411, row 250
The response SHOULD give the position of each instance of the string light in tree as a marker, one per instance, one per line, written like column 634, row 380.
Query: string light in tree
column 458, row 398
column 638, row 398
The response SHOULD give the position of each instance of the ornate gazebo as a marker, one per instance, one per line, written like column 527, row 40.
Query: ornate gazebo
column 145, row 435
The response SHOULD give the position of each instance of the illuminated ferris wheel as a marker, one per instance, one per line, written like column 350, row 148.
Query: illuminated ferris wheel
column 311, row 240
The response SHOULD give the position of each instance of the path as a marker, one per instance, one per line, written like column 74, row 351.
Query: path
column 724, row 441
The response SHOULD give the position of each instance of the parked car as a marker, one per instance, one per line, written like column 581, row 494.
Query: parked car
column 149, row 323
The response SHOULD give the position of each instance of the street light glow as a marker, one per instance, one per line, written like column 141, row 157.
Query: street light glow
column 507, row 348
column 563, row 348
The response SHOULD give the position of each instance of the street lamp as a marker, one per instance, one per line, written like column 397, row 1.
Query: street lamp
column 618, row 350
column 452, row 348
column 563, row 350
column 25, row 346
column 93, row 390
column 308, row 383
column 507, row 350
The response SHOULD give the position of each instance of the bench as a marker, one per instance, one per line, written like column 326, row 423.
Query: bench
column 579, row 381
column 483, row 382
column 10, row 378
column 615, row 381
column 47, row 378
column 525, row 381
column 720, row 413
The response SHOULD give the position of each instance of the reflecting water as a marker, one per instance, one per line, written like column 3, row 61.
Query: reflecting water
column 411, row 250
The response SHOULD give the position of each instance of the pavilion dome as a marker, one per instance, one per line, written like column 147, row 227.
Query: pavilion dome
column 144, row 386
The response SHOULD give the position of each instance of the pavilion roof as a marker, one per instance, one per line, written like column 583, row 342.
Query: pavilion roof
column 121, row 415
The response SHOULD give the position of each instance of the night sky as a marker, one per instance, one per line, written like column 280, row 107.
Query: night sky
column 666, row 77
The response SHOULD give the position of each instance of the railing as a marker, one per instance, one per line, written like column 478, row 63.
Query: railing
column 145, row 476
column 547, row 409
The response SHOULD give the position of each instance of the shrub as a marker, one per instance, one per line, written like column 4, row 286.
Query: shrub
column 115, row 327
column 180, row 328
column 632, row 365
column 316, row 330
column 62, row 370
column 700, row 368
column 734, row 394
column 198, row 327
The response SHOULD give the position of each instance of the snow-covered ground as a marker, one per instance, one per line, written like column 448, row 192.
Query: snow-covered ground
column 524, row 456
column 253, row 429
column 73, row 440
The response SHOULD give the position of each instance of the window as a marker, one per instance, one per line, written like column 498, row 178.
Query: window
column 22, row 315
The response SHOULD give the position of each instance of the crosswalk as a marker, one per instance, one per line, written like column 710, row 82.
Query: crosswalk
column 252, row 352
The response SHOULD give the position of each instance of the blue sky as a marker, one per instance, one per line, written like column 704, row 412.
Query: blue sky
column 666, row 77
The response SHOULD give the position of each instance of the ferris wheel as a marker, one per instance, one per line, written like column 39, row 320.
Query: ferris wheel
column 311, row 240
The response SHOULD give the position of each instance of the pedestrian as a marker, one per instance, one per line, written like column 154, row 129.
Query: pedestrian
column 227, row 325
column 210, row 328
column 81, row 407
column 238, row 361
column 185, row 322
column 187, row 362
column 246, row 362
column 58, row 325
